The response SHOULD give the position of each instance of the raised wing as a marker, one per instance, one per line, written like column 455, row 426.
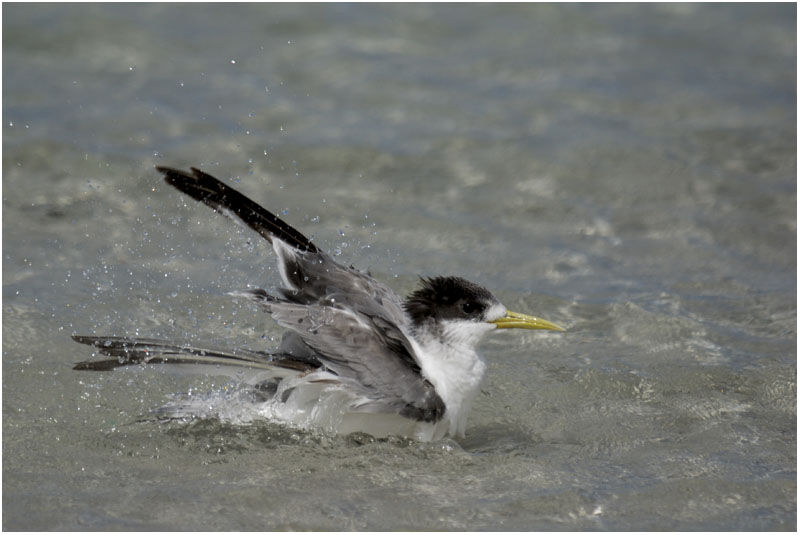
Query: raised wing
column 309, row 273
column 352, row 323
column 226, row 200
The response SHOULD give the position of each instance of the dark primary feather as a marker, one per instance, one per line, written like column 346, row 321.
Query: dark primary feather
column 207, row 189
column 312, row 273
column 130, row 351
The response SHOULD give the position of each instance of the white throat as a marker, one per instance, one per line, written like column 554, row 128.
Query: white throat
column 450, row 362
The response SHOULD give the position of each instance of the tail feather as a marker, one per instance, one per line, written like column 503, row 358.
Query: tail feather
column 130, row 351
column 207, row 189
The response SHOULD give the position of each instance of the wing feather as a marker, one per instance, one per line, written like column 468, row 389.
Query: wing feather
column 127, row 351
column 338, row 317
column 370, row 351
column 226, row 200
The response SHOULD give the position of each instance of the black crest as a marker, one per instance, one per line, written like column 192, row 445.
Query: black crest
column 443, row 298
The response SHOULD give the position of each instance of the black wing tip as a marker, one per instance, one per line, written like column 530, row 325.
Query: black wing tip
column 108, row 341
column 174, row 170
column 87, row 339
column 193, row 183
column 97, row 365
column 196, row 172
column 172, row 173
column 164, row 169
column 93, row 365
column 210, row 190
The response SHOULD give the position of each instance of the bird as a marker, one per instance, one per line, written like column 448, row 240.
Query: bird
column 355, row 356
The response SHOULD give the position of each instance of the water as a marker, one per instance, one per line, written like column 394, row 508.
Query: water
column 627, row 171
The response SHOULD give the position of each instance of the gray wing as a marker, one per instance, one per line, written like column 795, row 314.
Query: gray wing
column 370, row 351
column 311, row 275
column 345, row 318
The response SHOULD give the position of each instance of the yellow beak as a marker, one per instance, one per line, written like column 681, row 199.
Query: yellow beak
column 515, row 320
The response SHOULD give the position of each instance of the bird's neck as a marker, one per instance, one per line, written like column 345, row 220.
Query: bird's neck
column 449, row 360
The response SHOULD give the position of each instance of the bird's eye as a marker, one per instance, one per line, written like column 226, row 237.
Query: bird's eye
column 469, row 307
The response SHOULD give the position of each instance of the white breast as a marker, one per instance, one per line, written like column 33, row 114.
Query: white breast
column 455, row 369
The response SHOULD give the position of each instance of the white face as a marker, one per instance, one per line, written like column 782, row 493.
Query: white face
column 495, row 312
column 466, row 332
column 469, row 331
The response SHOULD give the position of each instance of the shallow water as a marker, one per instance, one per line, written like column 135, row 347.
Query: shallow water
column 627, row 171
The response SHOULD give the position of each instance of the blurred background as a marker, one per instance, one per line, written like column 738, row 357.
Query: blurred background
column 627, row 171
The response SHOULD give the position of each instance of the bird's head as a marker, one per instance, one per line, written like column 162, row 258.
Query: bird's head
column 465, row 309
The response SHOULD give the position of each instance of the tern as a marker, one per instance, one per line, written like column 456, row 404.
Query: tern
column 355, row 356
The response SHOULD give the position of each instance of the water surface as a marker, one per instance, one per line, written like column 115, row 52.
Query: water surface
column 627, row 171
